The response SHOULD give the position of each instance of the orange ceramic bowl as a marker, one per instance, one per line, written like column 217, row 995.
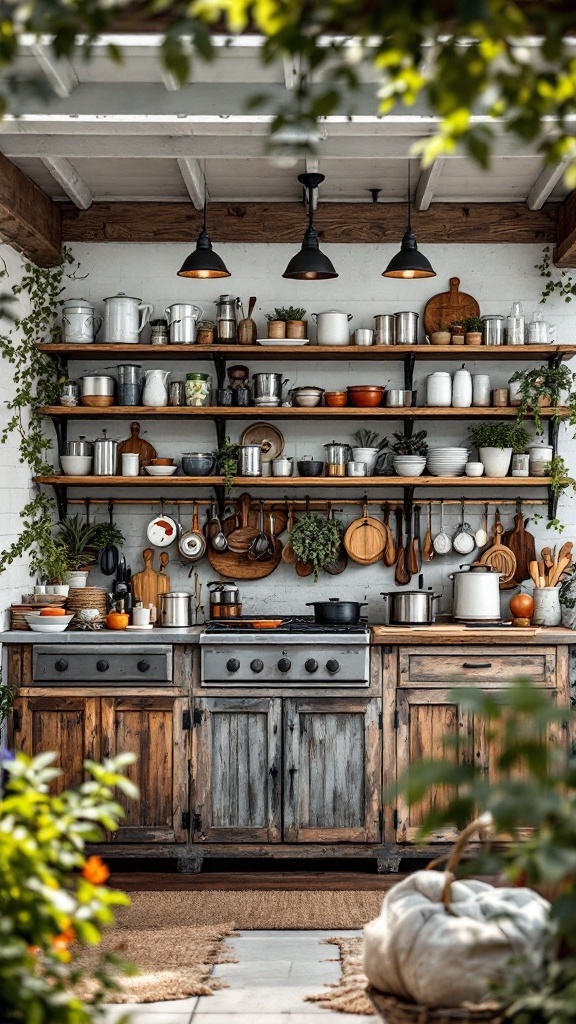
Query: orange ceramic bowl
column 366, row 396
column 161, row 462
column 335, row 398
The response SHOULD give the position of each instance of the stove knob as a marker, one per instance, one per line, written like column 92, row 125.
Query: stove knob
column 311, row 665
column 333, row 666
column 257, row 665
column 284, row 665
column 233, row 665
column 61, row 665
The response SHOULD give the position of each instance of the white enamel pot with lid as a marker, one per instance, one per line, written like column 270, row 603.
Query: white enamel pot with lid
column 124, row 319
column 79, row 323
column 332, row 327
column 476, row 594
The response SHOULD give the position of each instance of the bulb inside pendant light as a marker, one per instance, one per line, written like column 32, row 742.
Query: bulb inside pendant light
column 409, row 263
column 203, row 262
column 310, row 264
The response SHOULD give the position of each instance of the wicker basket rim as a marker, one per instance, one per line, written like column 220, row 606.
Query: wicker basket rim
column 416, row 1013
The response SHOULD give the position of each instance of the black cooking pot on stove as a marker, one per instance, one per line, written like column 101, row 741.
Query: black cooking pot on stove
column 336, row 612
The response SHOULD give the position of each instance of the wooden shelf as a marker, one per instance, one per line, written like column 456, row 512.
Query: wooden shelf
column 352, row 353
column 284, row 482
column 282, row 413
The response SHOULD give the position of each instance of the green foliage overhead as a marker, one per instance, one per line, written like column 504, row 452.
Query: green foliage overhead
column 493, row 59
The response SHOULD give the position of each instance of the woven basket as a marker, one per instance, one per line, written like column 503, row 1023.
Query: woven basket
column 393, row 1010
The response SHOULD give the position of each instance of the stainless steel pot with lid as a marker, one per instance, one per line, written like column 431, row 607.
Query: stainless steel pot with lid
column 337, row 453
column 80, row 447
column 174, row 609
column 409, row 607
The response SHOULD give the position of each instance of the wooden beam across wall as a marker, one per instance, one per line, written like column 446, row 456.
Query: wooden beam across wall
column 29, row 220
column 565, row 252
column 511, row 223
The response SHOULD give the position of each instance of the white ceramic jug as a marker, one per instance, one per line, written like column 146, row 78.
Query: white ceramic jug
column 122, row 320
column 79, row 324
column 156, row 388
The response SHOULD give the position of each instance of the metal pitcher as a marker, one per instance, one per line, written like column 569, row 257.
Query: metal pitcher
column 182, row 319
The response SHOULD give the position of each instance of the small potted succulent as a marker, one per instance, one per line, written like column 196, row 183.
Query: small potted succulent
column 496, row 443
column 473, row 330
column 410, row 454
column 441, row 336
column 287, row 322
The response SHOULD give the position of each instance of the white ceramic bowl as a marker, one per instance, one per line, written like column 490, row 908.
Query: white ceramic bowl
column 474, row 468
column 47, row 623
column 76, row 465
column 414, row 467
column 77, row 579
column 307, row 401
column 161, row 470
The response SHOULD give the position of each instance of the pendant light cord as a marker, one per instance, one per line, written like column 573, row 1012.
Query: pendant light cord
column 310, row 210
column 409, row 220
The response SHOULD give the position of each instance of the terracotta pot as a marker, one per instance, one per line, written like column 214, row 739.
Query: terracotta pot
column 277, row 329
column 440, row 338
column 366, row 396
column 296, row 328
column 457, row 339
column 473, row 338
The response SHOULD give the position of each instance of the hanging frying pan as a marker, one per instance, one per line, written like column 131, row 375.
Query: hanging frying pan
column 162, row 530
column 192, row 543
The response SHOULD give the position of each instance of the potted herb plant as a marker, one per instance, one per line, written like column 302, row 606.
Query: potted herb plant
column 53, row 566
column 369, row 444
column 496, row 443
column 287, row 322
column 410, row 454
column 441, row 336
column 540, row 387
column 315, row 540
column 457, row 332
column 473, row 330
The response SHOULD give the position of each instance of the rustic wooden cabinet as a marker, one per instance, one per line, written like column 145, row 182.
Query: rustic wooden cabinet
column 97, row 726
column 298, row 770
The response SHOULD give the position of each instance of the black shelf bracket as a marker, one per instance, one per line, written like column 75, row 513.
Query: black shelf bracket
column 61, row 430
column 219, row 362
column 220, row 425
column 553, row 431
column 408, row 426
column 220, row 496
column 555, row 361
column 408, row 503
column 61, row 495
column 409, row 364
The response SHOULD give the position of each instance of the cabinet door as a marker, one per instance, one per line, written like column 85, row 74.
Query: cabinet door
column 332, row 770
column 69, row 726
column 236, row 764
column 151, row 728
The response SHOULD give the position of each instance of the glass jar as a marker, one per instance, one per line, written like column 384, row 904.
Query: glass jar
column 520, row 465
column 198, row 389
column 70, row 393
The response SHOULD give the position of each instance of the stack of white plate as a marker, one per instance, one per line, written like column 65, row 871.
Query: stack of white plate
column 447, row 461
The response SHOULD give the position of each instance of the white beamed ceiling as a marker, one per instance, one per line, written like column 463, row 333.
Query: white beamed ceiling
column 118, row 132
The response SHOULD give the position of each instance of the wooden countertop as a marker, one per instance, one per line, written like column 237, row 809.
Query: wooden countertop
column 453, row 633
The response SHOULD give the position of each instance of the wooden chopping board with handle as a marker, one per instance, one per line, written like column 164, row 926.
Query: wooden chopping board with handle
column 135, row 445
column 148, row 584
column 524, row 547
column 236, row 566
column 448, row 307
column 500, row 557
column 365, row 539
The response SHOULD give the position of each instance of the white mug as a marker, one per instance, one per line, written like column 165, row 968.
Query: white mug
column 140, row 616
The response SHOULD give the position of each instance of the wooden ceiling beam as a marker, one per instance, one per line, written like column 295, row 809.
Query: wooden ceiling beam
column 29, row 220
column 511, row 223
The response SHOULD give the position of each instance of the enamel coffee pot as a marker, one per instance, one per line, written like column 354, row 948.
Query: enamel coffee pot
column 124, row 319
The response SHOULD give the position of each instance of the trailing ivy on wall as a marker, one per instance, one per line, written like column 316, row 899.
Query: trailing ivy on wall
column 36, row 379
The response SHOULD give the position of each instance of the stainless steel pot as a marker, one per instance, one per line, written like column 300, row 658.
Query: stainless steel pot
column 406, row 328
column 337, row 453
column 105, row 456
column 384, row 329
column 250, row 459
column 223, row 593
column 493, row 330
column 81, row 447
column 398, row 398
column 97, row 384
column 268, row 388
column 476, row 594
column 174, row 609
column 409, row 607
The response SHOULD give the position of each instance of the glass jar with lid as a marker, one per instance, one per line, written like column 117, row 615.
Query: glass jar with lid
column 198, row 389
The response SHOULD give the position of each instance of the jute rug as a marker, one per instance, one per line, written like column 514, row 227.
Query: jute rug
column 252, row 909
column 347, row 995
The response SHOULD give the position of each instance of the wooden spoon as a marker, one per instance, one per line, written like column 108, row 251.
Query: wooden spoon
column 533, row 567
column 413, row 561
column 303, row 568
column 401, row 576
column 558, row 569
column 389, row 556
column 427, row 546
column 288, row 555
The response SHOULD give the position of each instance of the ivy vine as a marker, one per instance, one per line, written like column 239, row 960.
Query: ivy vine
column 564, row 284
column 36, row 380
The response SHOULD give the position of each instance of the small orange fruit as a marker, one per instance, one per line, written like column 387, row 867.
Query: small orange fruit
column 53, row 611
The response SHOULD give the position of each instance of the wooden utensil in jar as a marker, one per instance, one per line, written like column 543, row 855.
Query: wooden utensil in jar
column 246, row 331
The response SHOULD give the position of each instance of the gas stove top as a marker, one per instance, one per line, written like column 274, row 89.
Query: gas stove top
column 291, row 624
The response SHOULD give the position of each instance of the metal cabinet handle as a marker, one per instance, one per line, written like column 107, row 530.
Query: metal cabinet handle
column 102, row 665
column 479, row 664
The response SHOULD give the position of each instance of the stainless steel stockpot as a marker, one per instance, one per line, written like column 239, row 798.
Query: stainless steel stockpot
column 80, row 447
column 409, row 607
column 174, row 609
column 384, row 329
column 105, row 456
column 98, row 384
column 406, row 327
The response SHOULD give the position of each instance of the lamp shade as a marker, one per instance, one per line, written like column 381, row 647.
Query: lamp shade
column 409, row 262
column 310, row 264
column 203, row 262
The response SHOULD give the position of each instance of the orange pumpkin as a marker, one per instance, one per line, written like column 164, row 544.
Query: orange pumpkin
column 522, row 606
column 117, row 620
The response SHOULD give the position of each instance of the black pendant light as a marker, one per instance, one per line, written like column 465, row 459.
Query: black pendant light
column 409, row 263
column 310, row 264
column 203, row 262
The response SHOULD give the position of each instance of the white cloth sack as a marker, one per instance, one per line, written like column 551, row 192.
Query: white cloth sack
column 444, row 956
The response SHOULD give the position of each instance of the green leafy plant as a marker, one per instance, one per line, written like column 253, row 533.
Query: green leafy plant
column 545, row 382
column 364, row 438
column 415, row 445
column 287, row 313
column 316, row 540
column 473, row 324
column 499, row 435
column 563, row 283
column 560, row 481
column 52, row 899
column 531, row 786
column 83, row 541
column 227, row 459
column 53, row 564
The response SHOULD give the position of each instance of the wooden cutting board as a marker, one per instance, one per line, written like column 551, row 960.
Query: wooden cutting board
column 446, row 307
column 233, row 566
column 365, row 539
column 135, row 445
column 523, row 545
column 500, row 557
column 148, row 584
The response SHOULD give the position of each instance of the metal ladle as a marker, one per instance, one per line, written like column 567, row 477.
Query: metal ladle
column 219, row 542
column 260, row 548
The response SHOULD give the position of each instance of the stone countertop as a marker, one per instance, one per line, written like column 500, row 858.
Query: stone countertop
column 451, row 633
column 180, row 635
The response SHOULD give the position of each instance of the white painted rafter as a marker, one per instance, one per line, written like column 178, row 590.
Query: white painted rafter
column 73, row 185
column 546, row 183
column 194, row 180
column 427, row 182
column 58, row 70
column 292, row 66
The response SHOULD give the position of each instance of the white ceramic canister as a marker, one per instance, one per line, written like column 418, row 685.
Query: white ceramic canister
column 547, row 611
column 79, row 324
column 130, row 464
column 480, row 389
column 332, row 327
column 541, row 456
column 462, row 389
column 122, row 320
column 439, row 389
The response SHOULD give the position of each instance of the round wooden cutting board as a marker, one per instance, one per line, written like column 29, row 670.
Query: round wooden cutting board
column 448, row 307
